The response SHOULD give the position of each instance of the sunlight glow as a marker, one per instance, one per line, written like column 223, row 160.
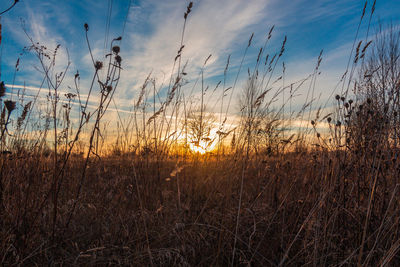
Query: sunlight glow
column 206, row 144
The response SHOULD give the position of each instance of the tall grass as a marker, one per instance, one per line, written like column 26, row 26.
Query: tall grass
column 269, row 193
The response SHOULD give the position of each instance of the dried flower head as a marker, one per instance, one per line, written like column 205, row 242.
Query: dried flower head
column 189, row 9
column 116, row 49
column 109, row 88
column 98, row 65
column 118, row 59
column 10, row 105
column 24, row 114
column 70, row 95
column 337, row 97
column 86, row 26
column 329, row 119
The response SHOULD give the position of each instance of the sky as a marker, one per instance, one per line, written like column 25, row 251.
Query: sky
column 151, row 35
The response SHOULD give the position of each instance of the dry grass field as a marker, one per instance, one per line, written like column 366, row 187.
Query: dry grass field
column 179, row 187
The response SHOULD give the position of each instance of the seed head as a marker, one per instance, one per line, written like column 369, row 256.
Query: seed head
column 10, row 105
column 337, row 97
column 329, row 119
column 116, row 49
column 118, row 59
column 342, row 98
column 189, row 8
column 86, row 27
column 98, row 65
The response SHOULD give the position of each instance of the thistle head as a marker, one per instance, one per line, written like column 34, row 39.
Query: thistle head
column 98, row 65
column 116, row 49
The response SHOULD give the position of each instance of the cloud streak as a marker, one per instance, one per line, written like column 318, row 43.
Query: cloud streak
column 214, row 27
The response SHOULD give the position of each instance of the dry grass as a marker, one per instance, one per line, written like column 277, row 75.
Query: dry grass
column 297, row 209
column 267, row 195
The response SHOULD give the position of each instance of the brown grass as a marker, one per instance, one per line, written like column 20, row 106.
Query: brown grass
column 269, row 194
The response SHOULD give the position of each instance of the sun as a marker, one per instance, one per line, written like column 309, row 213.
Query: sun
column 206, row 144
column 201, row 147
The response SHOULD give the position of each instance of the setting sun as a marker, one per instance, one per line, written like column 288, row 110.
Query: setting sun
column 199, row 133
column 206, row 144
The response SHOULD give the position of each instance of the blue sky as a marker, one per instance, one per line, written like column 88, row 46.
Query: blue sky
column 151, row 36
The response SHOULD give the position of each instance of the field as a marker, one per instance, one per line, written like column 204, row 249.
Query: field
column 180, row 185
column 299, row 208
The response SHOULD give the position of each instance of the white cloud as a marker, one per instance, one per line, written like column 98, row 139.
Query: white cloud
column 213, row 27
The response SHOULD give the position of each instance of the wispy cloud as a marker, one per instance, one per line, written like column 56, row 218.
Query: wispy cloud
column 214, row 27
